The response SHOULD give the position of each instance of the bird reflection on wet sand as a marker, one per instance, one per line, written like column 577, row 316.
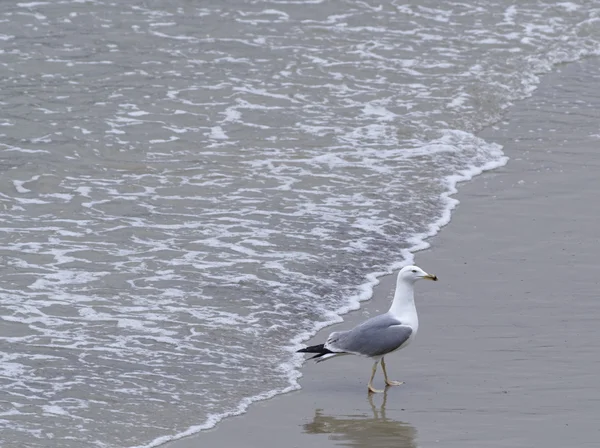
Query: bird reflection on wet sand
column 364, row 430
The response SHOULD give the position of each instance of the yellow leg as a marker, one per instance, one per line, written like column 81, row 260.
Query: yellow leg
column 370, row 386
column 389, row 382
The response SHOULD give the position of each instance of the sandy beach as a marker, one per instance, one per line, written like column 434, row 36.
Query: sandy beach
column 507, row 350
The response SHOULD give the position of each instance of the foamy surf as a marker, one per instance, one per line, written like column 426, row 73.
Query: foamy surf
column 290, row 368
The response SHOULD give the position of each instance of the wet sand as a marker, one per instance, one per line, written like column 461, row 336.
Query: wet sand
column 508, row 350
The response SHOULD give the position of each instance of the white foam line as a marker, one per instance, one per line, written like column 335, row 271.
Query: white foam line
column 15, row 148
column 188, row 38
column 212, row 420
column 32, row 4
column 19, row 186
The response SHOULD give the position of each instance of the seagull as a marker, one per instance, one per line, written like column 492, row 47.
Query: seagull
column 380, row 335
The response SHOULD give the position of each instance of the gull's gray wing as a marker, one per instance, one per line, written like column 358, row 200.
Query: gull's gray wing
column 375, row 337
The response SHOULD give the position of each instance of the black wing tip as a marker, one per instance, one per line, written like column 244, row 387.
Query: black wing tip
column 320, row 350
column 313, row 349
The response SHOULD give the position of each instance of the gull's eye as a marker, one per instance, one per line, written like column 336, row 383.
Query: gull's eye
column 414, row 270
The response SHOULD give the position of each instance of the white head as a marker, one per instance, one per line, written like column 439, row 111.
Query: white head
column 411, row 274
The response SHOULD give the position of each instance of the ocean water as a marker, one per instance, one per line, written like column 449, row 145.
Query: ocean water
column 188, row 190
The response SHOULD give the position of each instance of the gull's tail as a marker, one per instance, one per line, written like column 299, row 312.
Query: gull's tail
column 322, row 353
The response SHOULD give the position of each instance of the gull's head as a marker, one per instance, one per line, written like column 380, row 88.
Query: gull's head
column 413, row 273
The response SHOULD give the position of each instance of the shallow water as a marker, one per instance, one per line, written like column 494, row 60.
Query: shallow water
column 189, row 191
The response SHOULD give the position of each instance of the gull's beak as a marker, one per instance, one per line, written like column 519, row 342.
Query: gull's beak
column 431, row 277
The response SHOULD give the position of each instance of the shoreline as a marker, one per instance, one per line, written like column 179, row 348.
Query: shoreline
column 333, row 405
